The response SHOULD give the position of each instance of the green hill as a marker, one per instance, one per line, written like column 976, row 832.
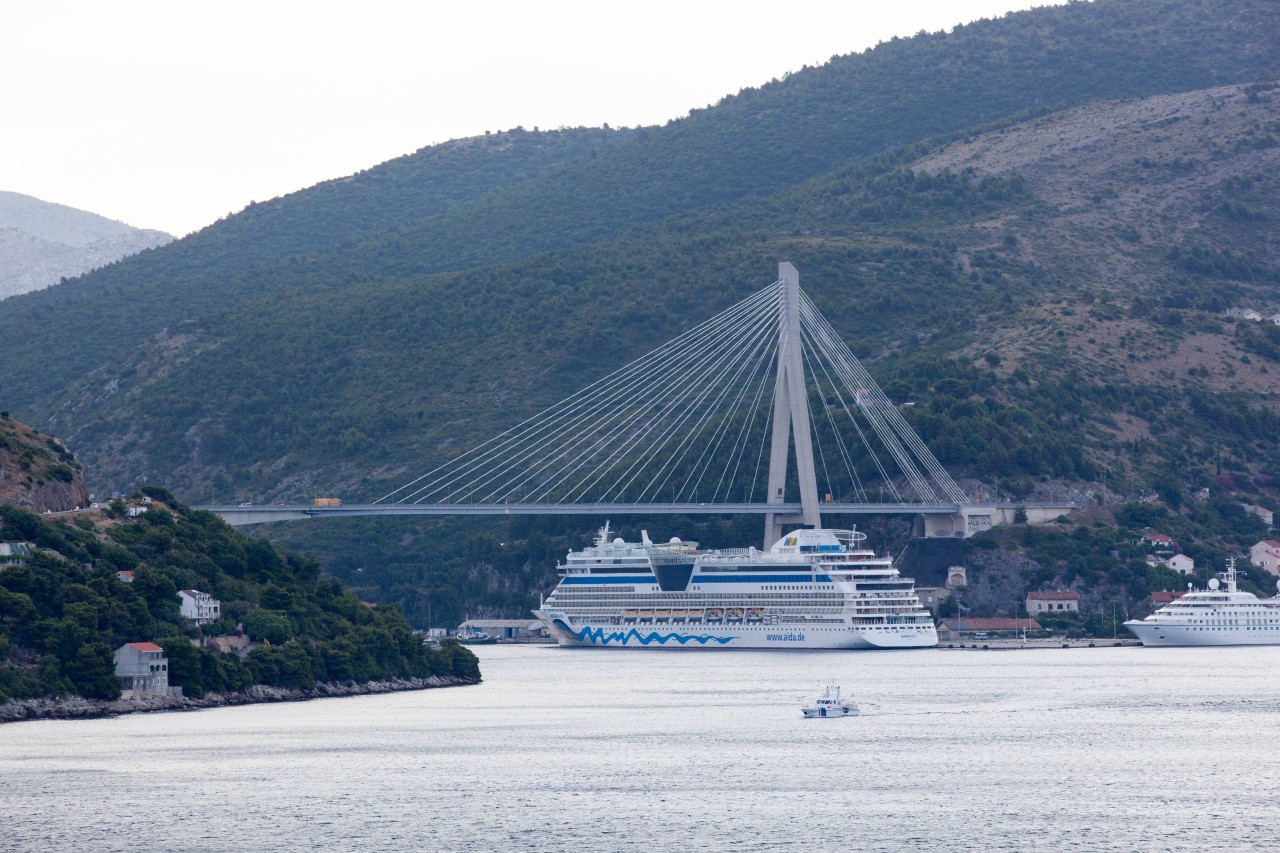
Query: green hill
column 428, row 212
column 1029, row 227
column 65, row 607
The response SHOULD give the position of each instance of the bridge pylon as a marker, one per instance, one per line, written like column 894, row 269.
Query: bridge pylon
column 790, row 418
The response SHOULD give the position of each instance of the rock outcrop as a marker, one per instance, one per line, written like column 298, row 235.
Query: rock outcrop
column 37, row 472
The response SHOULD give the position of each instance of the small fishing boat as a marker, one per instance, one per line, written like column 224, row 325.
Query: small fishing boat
column 480, row 639
column 829, row 704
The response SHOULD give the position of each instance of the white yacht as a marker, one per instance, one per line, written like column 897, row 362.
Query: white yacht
column 814, row 589
column 1213, row 617
column 829, row 704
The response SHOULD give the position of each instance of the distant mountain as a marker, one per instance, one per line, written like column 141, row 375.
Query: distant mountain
column 42, row 243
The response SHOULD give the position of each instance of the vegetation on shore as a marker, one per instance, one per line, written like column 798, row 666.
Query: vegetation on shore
column 65, row 612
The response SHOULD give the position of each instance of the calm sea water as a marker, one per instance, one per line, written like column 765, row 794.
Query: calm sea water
column 1084, row 749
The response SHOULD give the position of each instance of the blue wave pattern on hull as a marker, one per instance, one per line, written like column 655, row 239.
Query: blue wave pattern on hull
column 598, row 635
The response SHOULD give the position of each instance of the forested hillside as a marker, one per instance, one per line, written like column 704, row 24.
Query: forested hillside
column 581, row 189
column 1028, row 227
column 934, row 274
column 64, row 610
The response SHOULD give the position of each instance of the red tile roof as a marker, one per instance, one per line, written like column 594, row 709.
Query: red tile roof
column 1053, row 595
column 1158, row 537
column 1165, row 597
column 1271, row 543
column 145, row 647
column 992, row 624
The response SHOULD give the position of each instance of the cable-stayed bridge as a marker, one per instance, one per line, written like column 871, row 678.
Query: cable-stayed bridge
column 760, row 409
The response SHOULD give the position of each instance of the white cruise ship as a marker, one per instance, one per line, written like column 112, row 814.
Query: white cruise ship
column 814, row 589
column 1213, row 617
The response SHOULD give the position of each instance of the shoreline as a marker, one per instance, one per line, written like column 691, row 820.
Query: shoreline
column 79, row 708
column 1006, row 643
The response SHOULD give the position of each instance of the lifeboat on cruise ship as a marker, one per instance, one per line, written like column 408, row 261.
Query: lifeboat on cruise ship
column 715, row 614
column 734, row 614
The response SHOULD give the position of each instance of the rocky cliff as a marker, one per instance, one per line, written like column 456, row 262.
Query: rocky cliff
column 36, row 471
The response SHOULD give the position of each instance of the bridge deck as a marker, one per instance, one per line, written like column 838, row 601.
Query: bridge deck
column 243, row 515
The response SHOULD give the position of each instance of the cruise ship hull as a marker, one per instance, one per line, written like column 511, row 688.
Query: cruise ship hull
column 744, row 636
column 1163, row 634
column 813, row 589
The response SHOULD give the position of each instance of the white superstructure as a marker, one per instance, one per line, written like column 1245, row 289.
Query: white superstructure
column 1213, row 617
column 814, row 589
column 829, row 704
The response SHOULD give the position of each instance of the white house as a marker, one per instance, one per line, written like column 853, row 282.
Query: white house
column 1274, row 318
column 1267, row 516
column 200, row 607
column 1180, row 563
column 934, row 598
column 1243, row 314
column 142, row 668
column 125, row 575
column 1057, row 601
column 14, row 553
column 1266, row 556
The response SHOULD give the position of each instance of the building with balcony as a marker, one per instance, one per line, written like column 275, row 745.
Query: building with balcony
column 200, row 607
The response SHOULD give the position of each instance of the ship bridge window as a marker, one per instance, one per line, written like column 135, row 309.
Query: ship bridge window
column 619, row 570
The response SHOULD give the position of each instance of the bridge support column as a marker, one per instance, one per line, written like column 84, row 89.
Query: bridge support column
column 791, row 417
column 942, row 526
column 776, row 525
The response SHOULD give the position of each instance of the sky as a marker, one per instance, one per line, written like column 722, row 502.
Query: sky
column 171, row 115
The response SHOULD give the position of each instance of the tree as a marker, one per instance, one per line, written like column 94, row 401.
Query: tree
column 93, row 672
column 268, row 625
column 160, row 592
column 185, row 669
